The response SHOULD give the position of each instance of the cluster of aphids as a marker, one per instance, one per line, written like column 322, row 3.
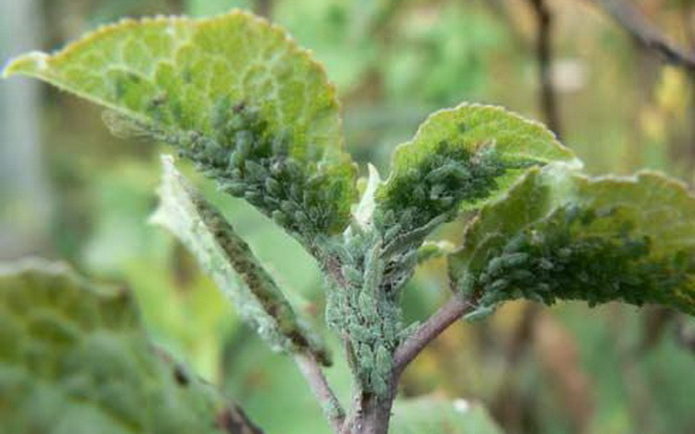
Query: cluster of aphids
column 558, row 258
column 250, row 160
column 441, row 180
column 360, row 310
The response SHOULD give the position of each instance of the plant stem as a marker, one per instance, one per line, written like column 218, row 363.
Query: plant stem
column 428, row 331
column 310, row 368
column 370, row 414
column 233, row 420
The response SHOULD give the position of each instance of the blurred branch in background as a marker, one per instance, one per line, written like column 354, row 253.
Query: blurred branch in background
column 26, row 200
column 653, row 39
column 648, row 35
column 264, row 8
column 544, row 58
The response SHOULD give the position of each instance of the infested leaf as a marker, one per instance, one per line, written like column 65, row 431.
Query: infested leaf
column 462, row 157
column 230, row 262
column 559, row 235
column 74, row 358
column 232, row 93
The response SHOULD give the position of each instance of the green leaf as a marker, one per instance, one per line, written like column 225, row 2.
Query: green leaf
column 460, row 158
column 230, row 262
column 234, row 94
column 434, row 415
column 561, row 235
column 74, row 358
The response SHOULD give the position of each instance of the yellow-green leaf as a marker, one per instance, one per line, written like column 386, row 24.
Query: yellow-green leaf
column 233, row 93
column 558, row 234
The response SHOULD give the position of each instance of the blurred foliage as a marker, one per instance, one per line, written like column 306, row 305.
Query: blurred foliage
column 613, row 369
column 75, row 357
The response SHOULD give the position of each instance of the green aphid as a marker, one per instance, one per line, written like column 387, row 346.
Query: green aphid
column 243, row 141
column 392, row 232
column 236, row 160
column 514, row 259
column 518, row 242
column 436, row 191
column 460, row 172
column 254, row 197
column 255, row 171
column 273, row 187
column 384, row 359
column 498, row 285
column 480, row 313
column 280, row 218
column 546, row 264
column 564, row 252
column 524, row 276
column 301, row 218
column 352, row 274
column 494, row 267
column 234, row 188
column 288, row 206
column 367, row 304
column 439, row 174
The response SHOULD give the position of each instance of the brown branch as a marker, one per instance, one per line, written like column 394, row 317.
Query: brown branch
column 310, row 368
column 454, row 309
column 230, row 419
column 233, row 420
column 648, row 35
column 544, row 54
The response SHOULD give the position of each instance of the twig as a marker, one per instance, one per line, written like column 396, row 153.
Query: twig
column 430, row 329
column 648, row 35
column 547, row 96
column 233, row 420
column 311, row 370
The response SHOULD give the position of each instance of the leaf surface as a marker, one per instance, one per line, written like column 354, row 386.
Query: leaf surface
column 234, row 94
column 74, row 358
column 561, row 235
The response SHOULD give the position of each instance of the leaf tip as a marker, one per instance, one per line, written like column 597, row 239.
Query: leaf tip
column 34, row 61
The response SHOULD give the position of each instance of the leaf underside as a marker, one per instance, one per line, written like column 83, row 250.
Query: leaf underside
column 230, row 262
column 559, row 235
column 234, row 94
column 74, row 358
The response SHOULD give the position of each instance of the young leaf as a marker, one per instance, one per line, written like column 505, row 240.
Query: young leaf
column 460, row 158
column 560, row 235
column 234, row 94
column 231, row 263
column 74, row 358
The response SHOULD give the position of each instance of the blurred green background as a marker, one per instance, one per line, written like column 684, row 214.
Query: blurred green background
column 70, row 190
